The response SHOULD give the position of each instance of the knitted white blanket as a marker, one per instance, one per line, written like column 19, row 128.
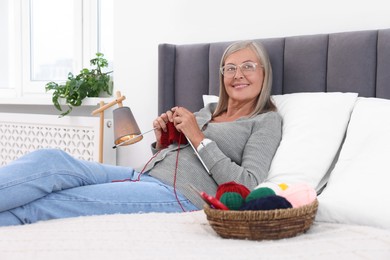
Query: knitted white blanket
column 180, row 236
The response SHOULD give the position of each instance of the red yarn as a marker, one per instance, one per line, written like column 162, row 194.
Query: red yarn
column 180, row 140
column 171, row 136
column 142, row 172
column 232, row 187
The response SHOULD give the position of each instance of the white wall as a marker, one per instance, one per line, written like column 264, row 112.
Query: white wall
column 141, row 25
column 4, row 47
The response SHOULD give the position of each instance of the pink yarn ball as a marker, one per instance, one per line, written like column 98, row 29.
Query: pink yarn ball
column 299, row 194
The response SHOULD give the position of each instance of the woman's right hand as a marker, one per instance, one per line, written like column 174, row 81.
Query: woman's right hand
column 160, row 125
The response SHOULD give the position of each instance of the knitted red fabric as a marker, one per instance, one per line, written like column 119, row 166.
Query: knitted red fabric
column 232, row 187
column 171, row 136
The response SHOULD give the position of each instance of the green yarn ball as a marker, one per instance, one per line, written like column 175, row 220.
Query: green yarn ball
column 260, row 193
column 232, row 200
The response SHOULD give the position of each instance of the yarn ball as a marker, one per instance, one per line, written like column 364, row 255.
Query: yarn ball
column 232, row 200
column 283, row 186
column 232, row 187
column 259, row 193
column 299, row 194
column 275, row 187
column 267, row 203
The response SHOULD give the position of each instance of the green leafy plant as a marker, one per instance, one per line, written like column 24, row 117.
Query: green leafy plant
column 89, row 83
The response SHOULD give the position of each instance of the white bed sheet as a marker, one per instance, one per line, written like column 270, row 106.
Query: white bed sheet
column 180, row 236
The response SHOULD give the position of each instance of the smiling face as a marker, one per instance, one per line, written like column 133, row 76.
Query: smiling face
column 244, row 88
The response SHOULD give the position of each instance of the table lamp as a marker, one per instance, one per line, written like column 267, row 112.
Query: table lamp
column 126, row 130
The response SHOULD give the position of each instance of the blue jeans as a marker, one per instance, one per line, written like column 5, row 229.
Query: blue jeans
column 49, row 183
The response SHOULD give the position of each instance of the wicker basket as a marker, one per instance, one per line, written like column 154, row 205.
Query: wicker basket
column 261, row 224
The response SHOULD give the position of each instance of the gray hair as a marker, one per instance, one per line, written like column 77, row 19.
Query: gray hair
column 264, row 102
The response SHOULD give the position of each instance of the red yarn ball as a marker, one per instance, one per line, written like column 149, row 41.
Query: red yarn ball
column 232, row 187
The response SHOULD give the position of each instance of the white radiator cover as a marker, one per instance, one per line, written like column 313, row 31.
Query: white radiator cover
column 77, row 135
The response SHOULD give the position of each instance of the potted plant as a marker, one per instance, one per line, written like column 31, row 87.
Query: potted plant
column 88, row 83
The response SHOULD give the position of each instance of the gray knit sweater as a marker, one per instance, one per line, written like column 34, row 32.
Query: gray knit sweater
column 241, row 151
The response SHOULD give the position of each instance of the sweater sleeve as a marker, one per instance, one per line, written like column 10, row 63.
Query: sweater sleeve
column 256, row 158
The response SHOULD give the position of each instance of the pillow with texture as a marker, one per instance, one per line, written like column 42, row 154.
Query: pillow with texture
column 314, row 126
column 358, row 189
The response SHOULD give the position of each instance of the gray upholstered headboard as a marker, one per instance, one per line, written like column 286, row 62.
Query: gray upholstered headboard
column 338, row 62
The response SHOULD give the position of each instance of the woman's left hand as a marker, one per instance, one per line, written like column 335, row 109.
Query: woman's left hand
column 185, row 122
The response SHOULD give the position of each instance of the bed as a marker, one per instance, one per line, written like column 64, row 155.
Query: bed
column 332, row 91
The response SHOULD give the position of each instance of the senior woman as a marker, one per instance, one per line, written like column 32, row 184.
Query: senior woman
column 235, row 140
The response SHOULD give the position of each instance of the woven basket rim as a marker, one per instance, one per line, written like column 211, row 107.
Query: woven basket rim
column 259, row 215
column 262, row 224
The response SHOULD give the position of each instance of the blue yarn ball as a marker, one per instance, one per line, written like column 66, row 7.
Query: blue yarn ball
column 267, row 203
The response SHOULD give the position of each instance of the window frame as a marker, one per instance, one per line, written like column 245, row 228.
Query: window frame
column 22, row 88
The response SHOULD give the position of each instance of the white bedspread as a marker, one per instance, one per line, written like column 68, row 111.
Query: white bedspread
column 180, row 236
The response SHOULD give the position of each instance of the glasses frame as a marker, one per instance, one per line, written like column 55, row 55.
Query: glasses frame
column 221, row 69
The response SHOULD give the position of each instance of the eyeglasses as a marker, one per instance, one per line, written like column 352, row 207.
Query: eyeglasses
column 246, row 68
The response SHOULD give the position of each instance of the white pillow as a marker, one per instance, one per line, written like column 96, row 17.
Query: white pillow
column 209, row 99
column 358, row 191
column 314, row 126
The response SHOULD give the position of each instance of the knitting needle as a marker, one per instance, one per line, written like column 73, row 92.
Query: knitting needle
column 197, row 154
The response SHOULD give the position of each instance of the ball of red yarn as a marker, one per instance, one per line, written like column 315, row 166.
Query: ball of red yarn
column 232, row 187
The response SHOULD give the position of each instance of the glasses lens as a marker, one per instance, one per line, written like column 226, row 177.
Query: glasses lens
column 229, row 70
column 248, row 67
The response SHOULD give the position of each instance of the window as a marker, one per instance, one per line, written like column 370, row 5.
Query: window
column 54, row 39
column 47, row 39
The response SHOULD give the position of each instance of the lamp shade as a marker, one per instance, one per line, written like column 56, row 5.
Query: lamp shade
column 125, row 127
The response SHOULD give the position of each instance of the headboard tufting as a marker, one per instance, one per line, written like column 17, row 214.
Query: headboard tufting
column 339, row 62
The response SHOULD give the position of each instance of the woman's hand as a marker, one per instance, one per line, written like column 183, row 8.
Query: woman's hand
column 160, row 125
column 185, row 122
